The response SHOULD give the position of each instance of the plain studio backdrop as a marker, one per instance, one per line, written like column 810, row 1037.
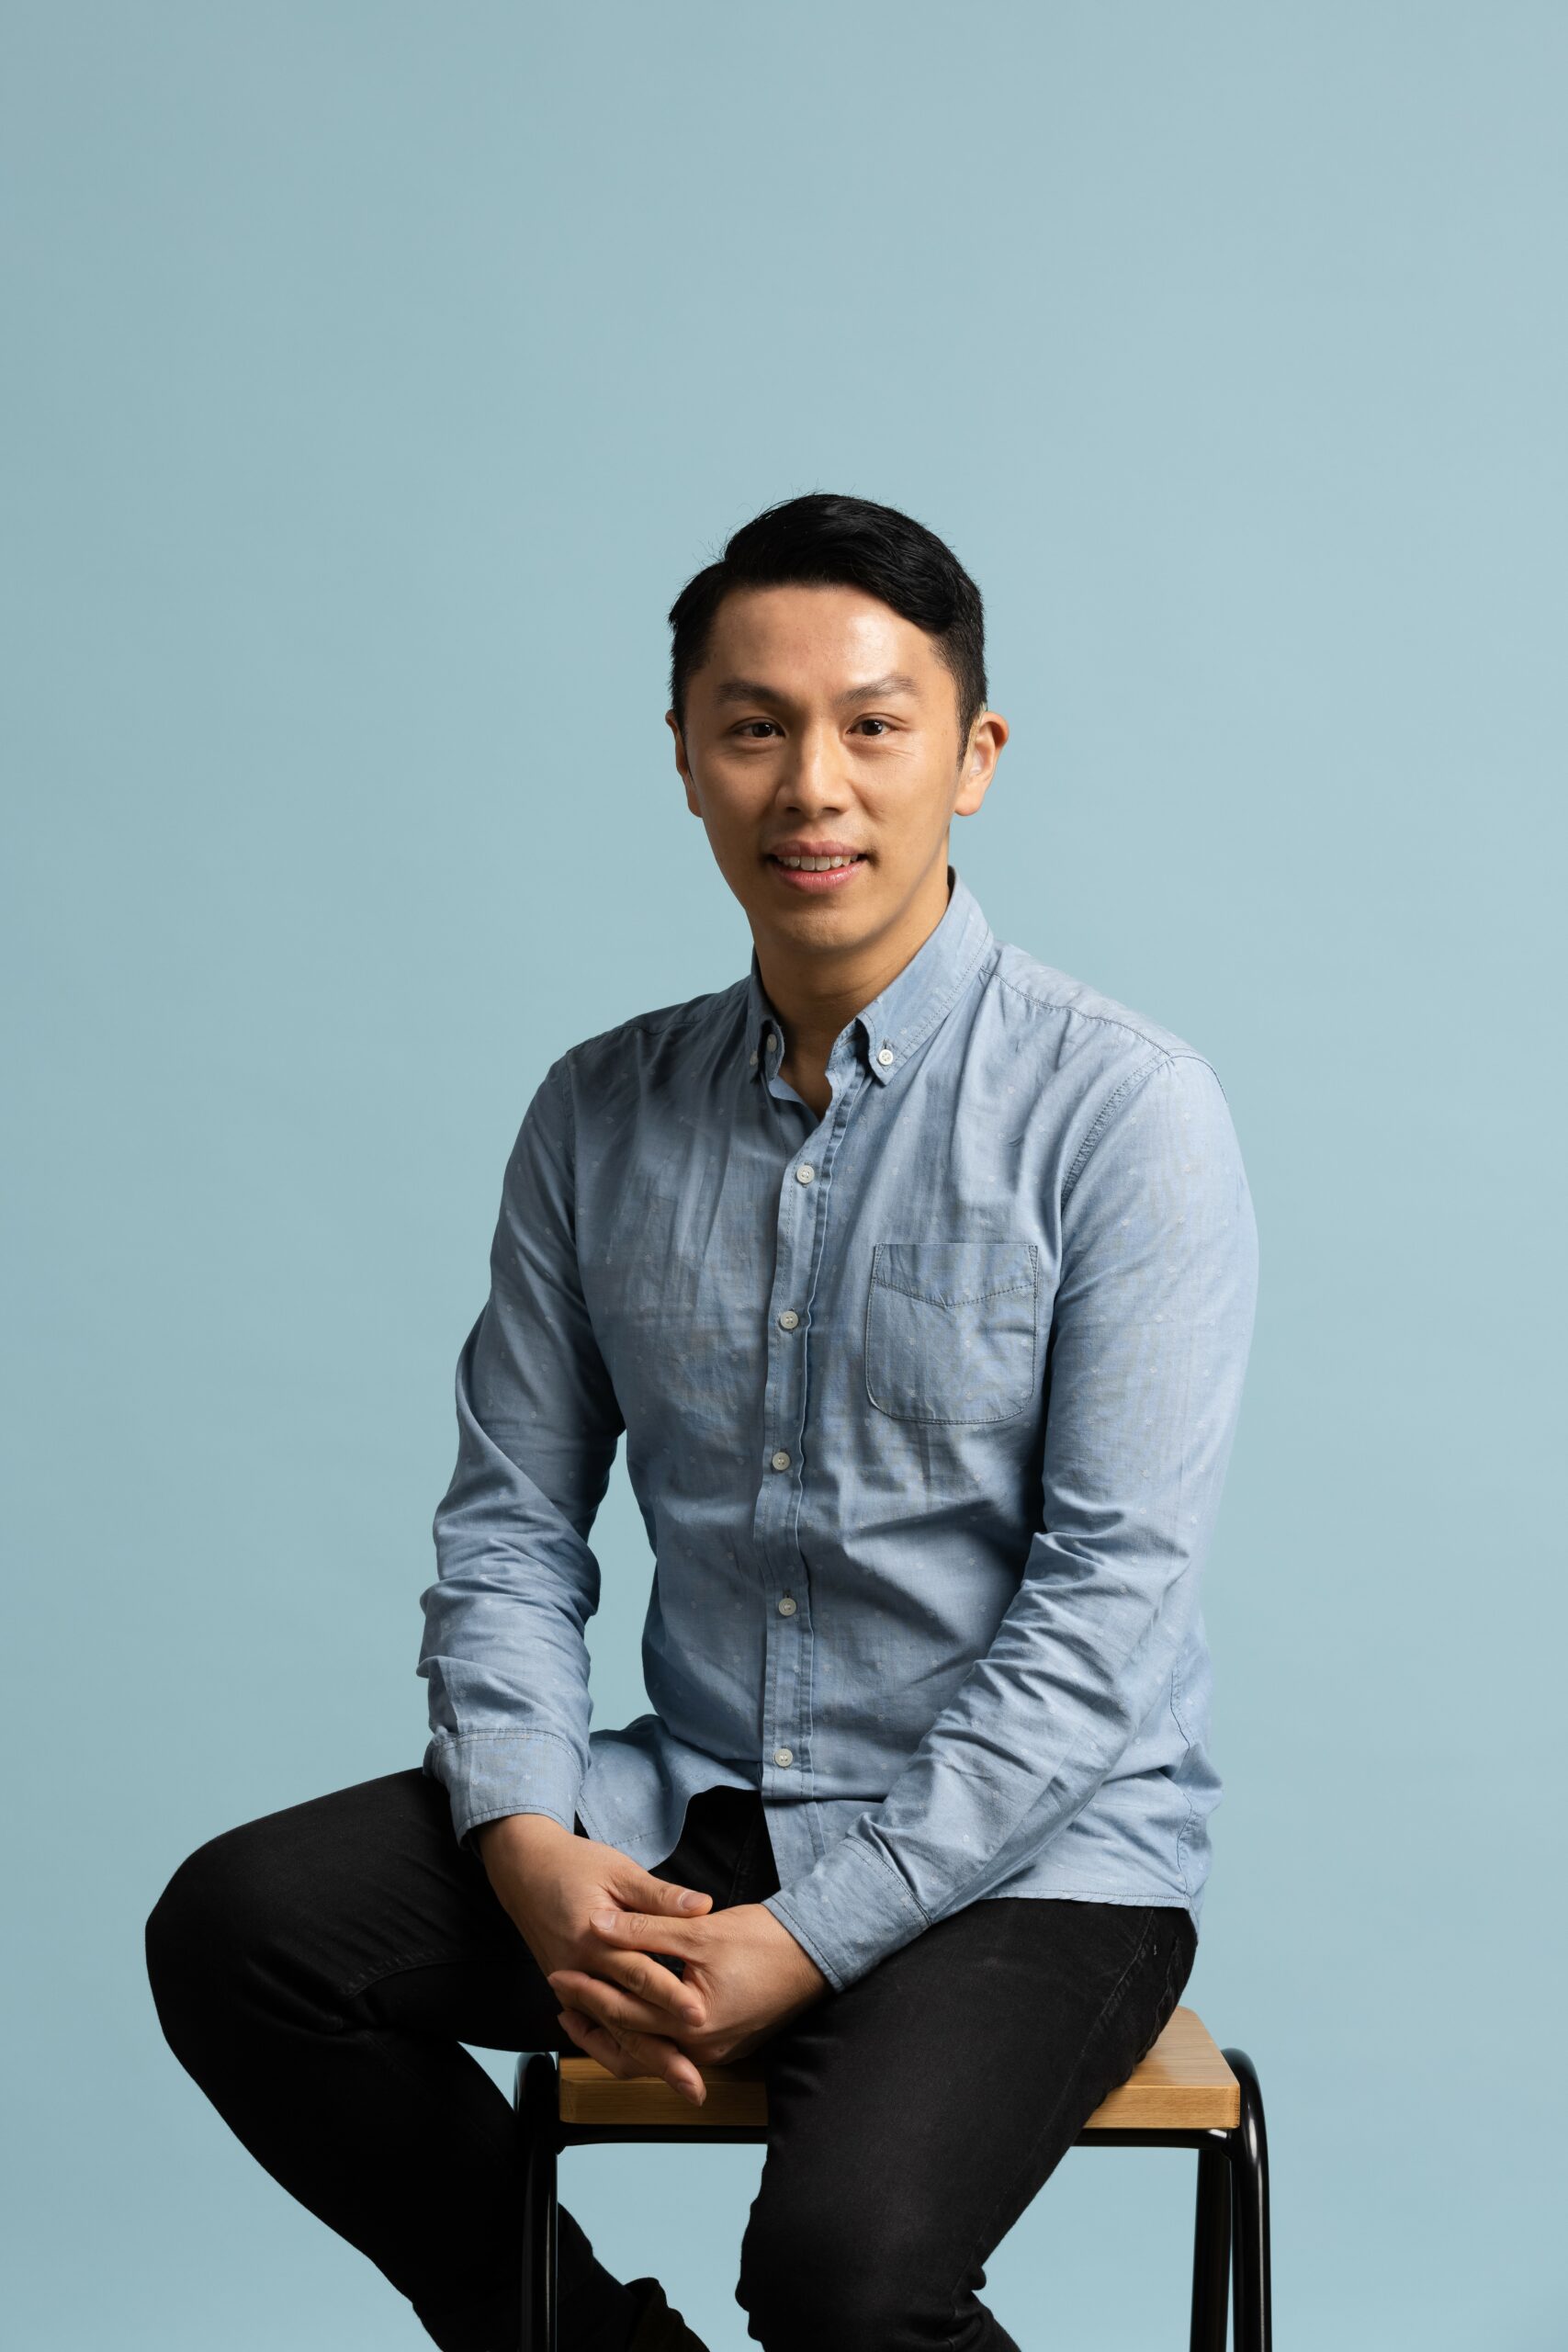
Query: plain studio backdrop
column 375, row 374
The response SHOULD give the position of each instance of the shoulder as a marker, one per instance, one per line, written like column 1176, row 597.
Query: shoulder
column 668, row 1037
column 606, row 1090
column 1106, row 1067
column 1068, row 1016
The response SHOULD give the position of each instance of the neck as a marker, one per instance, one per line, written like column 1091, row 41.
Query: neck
column 816, row 995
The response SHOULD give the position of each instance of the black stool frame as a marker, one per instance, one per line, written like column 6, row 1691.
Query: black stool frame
column 1230, row 2237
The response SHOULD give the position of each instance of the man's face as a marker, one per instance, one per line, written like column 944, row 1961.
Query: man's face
column 823, row 721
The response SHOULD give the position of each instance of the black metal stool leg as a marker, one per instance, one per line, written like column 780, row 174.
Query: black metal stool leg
column 537, row 2099
column 1212, row 2247
column 1249, row 2213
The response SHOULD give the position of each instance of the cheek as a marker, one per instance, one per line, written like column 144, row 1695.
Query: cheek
column 732, row 837
column 736, row 808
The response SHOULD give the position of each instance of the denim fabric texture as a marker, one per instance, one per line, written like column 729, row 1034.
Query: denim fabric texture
column 324, row 1973
column 928, row 1403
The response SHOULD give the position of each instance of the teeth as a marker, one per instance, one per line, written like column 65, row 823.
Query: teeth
column 817, row 865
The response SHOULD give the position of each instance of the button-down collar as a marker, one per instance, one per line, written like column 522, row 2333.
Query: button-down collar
column 915, row 1001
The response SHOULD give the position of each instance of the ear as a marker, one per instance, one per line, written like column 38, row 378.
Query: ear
column 682, row 762
column 986, row 738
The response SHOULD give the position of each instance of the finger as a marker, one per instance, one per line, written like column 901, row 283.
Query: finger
column 598, row 2042
column 620, row 2010
column 630, row 2054
column 571, row 2022
column 647, row 1931
column 663, row 1993
column 650, row 1893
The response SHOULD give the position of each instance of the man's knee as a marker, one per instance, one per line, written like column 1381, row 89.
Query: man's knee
column 813, row 2271
column 210, row 1923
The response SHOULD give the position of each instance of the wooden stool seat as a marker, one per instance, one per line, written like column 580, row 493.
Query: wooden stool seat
column 1184, row 2085
column 1187, row 2093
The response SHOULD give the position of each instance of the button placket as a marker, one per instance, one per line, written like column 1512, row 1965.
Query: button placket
column 804, row 1185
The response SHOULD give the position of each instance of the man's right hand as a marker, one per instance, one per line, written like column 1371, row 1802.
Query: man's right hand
column 549, row 1880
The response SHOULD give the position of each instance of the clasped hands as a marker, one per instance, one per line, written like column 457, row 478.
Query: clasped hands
column 593, row 1919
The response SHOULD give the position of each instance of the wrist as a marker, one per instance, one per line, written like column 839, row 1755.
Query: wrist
column 808, row 1973
column 519, row 1833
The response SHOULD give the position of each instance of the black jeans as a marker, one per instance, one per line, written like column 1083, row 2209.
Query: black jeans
column 318, row 1971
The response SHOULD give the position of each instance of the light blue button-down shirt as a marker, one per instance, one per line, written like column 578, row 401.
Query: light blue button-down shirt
column 928, row 1403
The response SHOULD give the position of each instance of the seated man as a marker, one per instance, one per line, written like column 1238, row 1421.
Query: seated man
column 921, row 1279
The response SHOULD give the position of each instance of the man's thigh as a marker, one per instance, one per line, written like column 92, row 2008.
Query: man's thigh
column 913, row 2117
column 360, row 1905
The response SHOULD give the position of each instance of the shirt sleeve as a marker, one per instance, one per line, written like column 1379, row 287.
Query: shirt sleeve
column 503, row 1651
column 1151, row 1330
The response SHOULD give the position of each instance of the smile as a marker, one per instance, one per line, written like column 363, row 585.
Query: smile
column 815, row 874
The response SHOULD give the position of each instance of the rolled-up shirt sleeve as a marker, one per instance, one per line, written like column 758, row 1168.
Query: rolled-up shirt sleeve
column 1151, row 1331
column 504, row 1654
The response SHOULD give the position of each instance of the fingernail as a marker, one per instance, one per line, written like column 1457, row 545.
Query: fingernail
column 689, row 1901
column 601, row 1918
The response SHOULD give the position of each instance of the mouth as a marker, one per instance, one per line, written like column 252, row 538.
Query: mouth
column 816, row 877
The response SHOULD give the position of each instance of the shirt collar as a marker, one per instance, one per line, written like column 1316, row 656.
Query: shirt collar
column 915, row 1001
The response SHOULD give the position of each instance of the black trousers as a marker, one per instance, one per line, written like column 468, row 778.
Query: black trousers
column 317, row 1971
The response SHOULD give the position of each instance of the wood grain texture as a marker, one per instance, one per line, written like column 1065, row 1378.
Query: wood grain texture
column 1184, row 2085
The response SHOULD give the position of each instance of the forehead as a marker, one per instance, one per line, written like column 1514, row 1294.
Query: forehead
column 808, row 640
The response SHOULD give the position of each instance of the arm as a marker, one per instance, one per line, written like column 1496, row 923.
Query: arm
column 1151, row 1331
column 503, row 1651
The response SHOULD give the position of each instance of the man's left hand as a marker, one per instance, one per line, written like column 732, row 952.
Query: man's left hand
column 747, row 1971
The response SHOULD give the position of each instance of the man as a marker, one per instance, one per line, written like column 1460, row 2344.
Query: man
column 920, row 1279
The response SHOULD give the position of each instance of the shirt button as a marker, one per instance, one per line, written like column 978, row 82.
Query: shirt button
column 786, row 1607
column 788, row 1319
column 751, row 1059
column 784, row 1756
column 781, row 1460
column 884, row 1057
column 804, row 1174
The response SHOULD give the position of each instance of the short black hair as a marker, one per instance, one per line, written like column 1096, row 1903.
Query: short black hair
column 825, row 540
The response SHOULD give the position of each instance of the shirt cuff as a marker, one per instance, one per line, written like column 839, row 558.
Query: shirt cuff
column 488, row 1774
column 850, row 1911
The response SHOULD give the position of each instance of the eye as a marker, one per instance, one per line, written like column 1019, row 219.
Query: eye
column 871, row 722
column 747, row 723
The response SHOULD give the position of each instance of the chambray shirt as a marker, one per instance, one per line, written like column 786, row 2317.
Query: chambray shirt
column 928, row 1403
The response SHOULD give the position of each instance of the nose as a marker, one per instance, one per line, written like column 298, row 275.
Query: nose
column 814, row 782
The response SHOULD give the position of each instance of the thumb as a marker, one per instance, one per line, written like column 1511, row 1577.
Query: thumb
column 640, row 1891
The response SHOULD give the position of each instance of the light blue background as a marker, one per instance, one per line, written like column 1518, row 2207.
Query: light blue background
column 375, row 377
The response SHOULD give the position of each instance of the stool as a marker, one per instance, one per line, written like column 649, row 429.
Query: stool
column 1187, row 2093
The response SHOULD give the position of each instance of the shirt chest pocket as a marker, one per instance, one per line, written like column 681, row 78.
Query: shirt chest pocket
column 950, row 1329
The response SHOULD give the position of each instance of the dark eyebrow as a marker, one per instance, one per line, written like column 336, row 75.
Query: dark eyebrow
column 753, row 690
